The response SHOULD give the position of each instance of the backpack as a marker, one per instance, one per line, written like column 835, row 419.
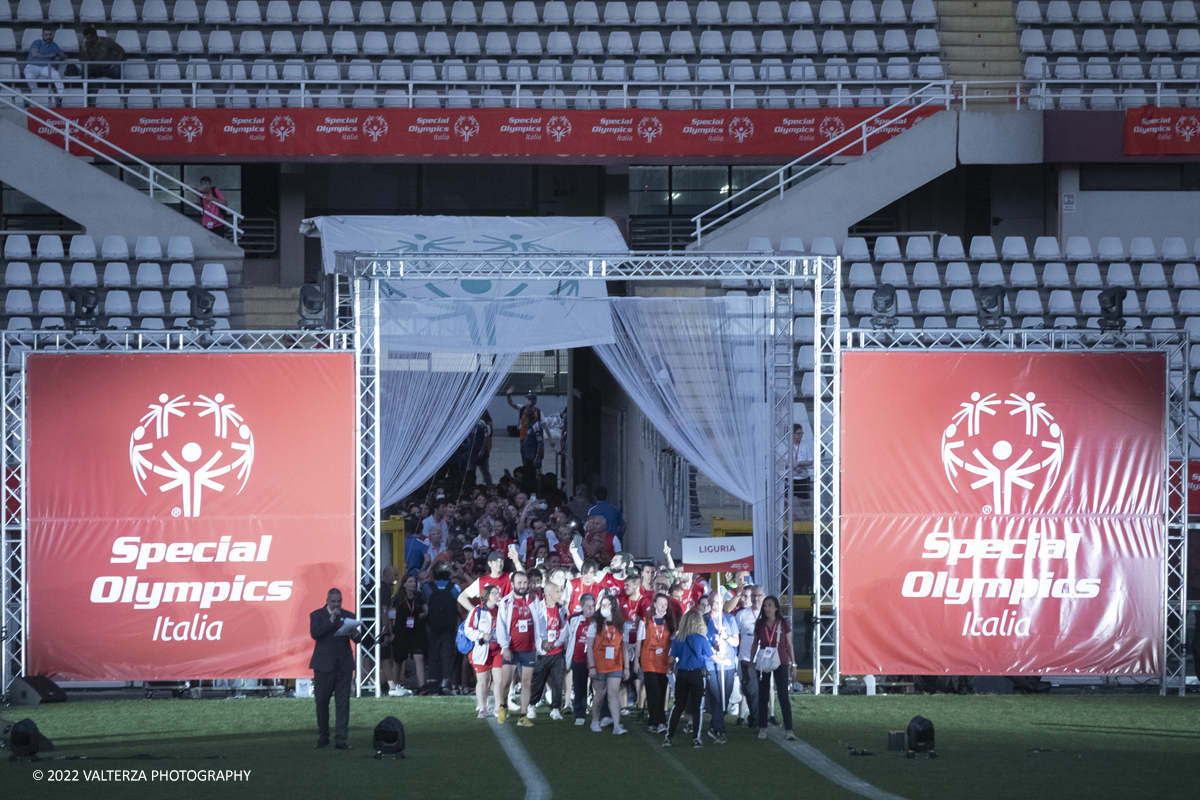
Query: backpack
column 462, row 641
column 443, row 609
column 389, row 736
column 920, row 735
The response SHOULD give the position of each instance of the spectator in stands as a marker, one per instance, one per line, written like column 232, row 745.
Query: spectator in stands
column 43, row 55
column 103, row 56
column 409, row 638
column 690, row 651
column 550, row 667
column 608, row 664
column 521, row 632
column 211, row 217
column 598, row 542
column 751, row 600
column 611, row 514
column 652, row 659
column 773, row 631
column 485, row 656
column 441, row 603
column 722, row 666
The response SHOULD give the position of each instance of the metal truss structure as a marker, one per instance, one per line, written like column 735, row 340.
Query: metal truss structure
column 1173, row 343
column 357, row 288
column 14, row 349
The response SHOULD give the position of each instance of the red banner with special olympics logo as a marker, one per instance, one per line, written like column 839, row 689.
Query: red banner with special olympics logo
column 186, row 512
column 1151, row 131
column 479, row 131
column 1002, row 513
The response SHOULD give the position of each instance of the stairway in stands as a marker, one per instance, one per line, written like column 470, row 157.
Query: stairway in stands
column 979, row 41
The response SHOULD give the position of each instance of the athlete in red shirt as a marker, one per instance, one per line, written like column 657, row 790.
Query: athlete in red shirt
column 520, row 632
column 496, row 577
column 577, row 629
column 550, row 665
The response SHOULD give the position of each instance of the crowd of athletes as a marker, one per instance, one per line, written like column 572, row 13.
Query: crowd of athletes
column 522, row 596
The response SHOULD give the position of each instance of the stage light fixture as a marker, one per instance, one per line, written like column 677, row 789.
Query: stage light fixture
column 1111, row 303
column 389, row 738
column 202, row 302
column 883, row 307
column 85, row 301
column 312, row 307
column 989, row 304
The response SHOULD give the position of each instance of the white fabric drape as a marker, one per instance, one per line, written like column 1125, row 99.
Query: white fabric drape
column 426, row 411
column 697, row 369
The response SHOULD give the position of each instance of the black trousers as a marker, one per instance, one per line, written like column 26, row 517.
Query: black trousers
column 689, row 688
column 656, row 697
column 551, row 668
column 579, row 681
column 783, row 681
column 441, row 656
column 336, row 684
column 749, row 677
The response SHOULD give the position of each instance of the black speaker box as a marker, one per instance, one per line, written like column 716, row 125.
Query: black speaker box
column 34, row 689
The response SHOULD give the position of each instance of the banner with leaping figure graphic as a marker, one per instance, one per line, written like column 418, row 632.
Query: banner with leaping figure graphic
column 476, row 131
column 1002, row 513
column 186, row 512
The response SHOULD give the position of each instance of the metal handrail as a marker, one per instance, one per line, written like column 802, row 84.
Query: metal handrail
column 7, row 92
column 781, row 174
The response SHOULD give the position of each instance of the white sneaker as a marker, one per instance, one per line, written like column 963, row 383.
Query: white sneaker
column 618, row 730
column 555, row 714
column 596, row 726
column 397, row 692
column 624, row 712
column 580, row 721
column 606, row 721
column 513, row 705
column 532, row 713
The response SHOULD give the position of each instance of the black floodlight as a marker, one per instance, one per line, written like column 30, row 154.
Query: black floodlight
column 1112, row 302
column 989, row 303
column 85, row 302
column 883, row 307
column 312, row 307
column 202, row 302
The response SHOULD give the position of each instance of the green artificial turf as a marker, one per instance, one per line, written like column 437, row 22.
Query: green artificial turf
column 1051, row 746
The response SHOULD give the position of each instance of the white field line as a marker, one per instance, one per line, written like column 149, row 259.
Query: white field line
column 536, row 785
column 822, row 765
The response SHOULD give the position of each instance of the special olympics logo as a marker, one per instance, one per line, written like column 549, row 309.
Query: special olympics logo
column 282, row 127
column 650, row 128
column 558, row 127
column 190, row 127
column 97, row 127
column 1009, row 453
column 1187, row 127
column 375, row 127
column 832, row 127
column 209, row 458
column 741, row 128
column 466, row 127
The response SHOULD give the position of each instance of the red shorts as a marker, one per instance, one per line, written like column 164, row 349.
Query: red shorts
column 494, row 660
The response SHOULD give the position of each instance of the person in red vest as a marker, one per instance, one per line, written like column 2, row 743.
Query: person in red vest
column 608, row 663
column 653, row 658
column 577, row 630
column 496, row 576
column 520, row 631
column 550, row 665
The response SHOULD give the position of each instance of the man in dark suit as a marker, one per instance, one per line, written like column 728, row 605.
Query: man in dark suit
column 332, row 665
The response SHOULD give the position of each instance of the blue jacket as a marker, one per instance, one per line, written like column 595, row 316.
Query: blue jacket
column 731, row 630
column 694, row 652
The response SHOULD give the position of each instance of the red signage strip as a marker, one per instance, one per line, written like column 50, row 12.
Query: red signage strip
column 1151, row 131
column 1002, row 513
column 478, row 131
column 186, row 512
